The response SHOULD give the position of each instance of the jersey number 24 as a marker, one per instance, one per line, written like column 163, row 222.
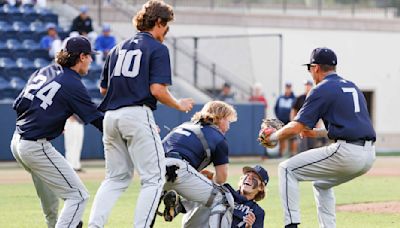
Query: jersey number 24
column 45, row 94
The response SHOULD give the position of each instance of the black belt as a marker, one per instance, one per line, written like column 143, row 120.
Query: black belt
column 359, row 142
column 31, row 139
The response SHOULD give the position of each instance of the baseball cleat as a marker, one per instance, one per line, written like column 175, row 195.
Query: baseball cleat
column 172, row 205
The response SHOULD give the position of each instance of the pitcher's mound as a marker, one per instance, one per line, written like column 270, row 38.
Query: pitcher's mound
column 376, row 207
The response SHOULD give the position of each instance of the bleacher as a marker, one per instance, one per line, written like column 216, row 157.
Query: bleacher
column 21, row 29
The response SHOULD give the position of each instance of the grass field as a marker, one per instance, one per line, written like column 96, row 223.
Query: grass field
column 19, row 206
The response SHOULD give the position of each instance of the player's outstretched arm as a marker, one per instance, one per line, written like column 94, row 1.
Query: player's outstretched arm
column 221, row 173
column 162, row 94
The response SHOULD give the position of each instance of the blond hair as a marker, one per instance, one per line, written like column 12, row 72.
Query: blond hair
column 151, row 11
column 213, row 111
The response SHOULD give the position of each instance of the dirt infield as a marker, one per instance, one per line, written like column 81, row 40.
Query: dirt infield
column 376, row 207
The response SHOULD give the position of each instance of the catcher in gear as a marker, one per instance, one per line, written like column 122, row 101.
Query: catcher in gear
column 247, row 213
column 268, row 126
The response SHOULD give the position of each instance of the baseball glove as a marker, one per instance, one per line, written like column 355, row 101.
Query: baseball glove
column 268, row 126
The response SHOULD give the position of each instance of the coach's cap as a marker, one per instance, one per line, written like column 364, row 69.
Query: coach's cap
column 323, row 56
column 259, row 170
column 79, row 44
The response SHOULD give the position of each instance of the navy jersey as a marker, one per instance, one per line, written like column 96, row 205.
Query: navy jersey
column 283, row 106
column 49, row 98
column 342, row 107
column 129, row 70
column 190, row 148
column 242, row 207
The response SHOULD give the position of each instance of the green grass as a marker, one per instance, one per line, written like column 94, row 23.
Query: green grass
column 19, row 206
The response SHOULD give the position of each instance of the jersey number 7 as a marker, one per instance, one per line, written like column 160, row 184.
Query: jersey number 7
column 45, row 94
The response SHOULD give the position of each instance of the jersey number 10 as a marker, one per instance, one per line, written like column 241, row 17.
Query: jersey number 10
column 124, row 62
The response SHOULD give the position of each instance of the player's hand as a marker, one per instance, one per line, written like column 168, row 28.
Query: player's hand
column 209, row 174
column 249, row 219
column 185, row 104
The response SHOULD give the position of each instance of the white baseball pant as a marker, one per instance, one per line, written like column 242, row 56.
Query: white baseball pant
column 327, row 167
column 131, row 141
column 53, row 178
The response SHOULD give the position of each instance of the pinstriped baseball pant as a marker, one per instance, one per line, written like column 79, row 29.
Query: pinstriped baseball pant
column 53, row 178
column 327, row 167
column 131, row 141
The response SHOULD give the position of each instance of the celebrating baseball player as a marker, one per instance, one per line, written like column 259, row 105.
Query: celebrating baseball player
column 136, row 74
column 50, row 97
column 343, row 108
column 247, row 212
column 190, row 148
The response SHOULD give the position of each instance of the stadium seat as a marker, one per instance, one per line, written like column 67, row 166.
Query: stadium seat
column 16, row 48
column 46, row 16
column 40, row 62
column 25, row 63
column 6, row 91
column 4, row 51
column 39, row 53
column 17, row 84
column 37, row 26
column 26, row 66
column 29, row 13
column 8, row 67
column 7, row 31
column 30, row 44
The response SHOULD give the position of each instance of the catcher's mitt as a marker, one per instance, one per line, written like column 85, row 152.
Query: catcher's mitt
column 268, row 126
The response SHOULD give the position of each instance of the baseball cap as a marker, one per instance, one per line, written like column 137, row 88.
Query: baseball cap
column 106, row 28
column 79, row 44
column 259, row 170
column 83, row 9
column 50, row 26
column 288, row 84
column 323, row 56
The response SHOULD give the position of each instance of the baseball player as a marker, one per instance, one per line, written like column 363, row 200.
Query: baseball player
column 51, row 95
column 136, row 74
column 190, row 148
column 343, row 108
column 247, row 212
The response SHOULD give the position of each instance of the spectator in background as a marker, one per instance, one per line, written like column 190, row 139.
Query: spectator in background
column 226, row 94
column 104, row 43
column 257, row 95
column 282, row 109
column 307, row 142
column 51, row 41
column 82, row 23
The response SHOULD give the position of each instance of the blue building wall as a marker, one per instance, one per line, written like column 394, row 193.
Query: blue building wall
column 242, row 136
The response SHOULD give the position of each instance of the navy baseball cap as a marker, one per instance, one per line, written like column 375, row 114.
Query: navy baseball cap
column 323, row 56
column 79, row 44
column 259, row 170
